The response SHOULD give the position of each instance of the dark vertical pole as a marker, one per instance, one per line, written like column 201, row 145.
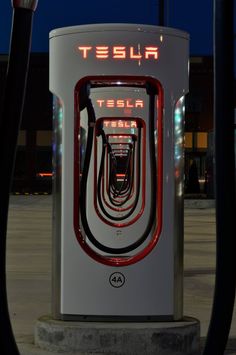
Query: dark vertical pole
column 224, row 179
column 161, row 11
column 11, row 114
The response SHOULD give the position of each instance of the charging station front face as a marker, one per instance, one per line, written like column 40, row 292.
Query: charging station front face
column 117, row 217
column 118, row 170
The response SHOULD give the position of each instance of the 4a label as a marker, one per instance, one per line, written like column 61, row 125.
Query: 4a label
column 117, row 279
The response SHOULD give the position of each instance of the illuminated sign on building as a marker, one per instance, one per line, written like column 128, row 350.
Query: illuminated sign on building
column 119, row 124
column 119, row 52
column 120, row 103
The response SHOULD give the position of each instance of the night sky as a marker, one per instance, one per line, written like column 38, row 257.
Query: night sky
column 192, row 16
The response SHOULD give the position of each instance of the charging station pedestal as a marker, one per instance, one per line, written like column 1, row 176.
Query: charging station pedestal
column 118, row 186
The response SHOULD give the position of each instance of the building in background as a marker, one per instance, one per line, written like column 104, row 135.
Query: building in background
column 199, row 127
column 33, row 166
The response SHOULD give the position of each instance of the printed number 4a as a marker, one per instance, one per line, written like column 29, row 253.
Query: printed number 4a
column 117, row 279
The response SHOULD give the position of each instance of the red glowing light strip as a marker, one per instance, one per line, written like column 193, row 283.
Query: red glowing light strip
column 121, row 135
column 119, row 261
column 44, row 174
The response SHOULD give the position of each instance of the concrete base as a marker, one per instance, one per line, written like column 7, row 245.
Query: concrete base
column 159, row 338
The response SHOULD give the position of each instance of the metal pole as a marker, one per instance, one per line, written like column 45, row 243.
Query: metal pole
column 11, row 114
column 224, row 179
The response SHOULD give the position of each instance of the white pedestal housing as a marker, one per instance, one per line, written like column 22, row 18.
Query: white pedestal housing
column 118, row 171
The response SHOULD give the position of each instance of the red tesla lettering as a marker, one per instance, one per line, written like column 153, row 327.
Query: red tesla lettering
column 100, row 102
column 102, row 52
column 139, row 103
column 84, row 50
column 119, row 124
column 133, row 55
column 110, row 103
column 151, row 52
column 119, row 52
column 120, row 103
column 128, row 103
column 133, row 124
column 106, row 123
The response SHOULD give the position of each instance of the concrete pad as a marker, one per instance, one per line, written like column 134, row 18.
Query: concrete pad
column 149, row 338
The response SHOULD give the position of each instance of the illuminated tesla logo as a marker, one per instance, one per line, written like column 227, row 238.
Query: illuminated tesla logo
column 119, row 52
column 119, row 124
column 120, row 103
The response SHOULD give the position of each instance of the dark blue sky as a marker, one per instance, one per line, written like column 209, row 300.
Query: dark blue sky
column 193, row 16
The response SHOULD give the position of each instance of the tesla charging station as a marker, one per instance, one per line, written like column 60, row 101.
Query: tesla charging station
column 118, row 171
